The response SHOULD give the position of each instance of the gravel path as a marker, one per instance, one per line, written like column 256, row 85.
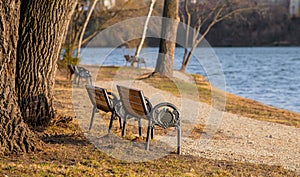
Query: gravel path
column 227, row 136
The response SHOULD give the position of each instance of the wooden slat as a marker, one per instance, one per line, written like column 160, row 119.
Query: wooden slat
column 125, row 91
column 134, row 105
column 133, row 92
column 135, row 110
column 102, row 105
column 133, row 101
column 98, row 96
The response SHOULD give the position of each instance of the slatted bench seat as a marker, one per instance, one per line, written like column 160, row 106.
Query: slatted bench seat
column 135, row 104
column 104, row 101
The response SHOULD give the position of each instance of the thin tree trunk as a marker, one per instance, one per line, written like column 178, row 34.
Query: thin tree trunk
column 165, row 60
column 43, row 27
column 137, row 53
column 218, row 15
column 15, row 136
column 188, row 23
column 84, row 27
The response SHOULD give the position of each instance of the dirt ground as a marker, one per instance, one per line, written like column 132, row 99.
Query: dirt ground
column 68, row 152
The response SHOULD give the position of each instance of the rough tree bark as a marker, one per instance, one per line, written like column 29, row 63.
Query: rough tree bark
column 165, row 60
column 15, row 136
column 43, row 27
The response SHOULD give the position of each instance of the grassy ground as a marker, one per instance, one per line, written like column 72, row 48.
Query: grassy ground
column 234, row 104
column 67, row 152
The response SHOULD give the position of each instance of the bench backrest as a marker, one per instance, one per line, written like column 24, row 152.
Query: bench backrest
column 99, row 98
column 71, row 68
column 127, row 58
column 133, row 101
column 76, row 69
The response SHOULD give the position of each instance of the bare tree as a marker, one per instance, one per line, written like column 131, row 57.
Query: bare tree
column 137, row 53
column 165, row 60
column 81, row 31
column 74, row 31
column 90, row 11
column 203, row 16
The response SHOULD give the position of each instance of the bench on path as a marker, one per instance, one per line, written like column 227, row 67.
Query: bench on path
column 133, row 59
column 81, row 72
column 104, row 101
column 135, row 104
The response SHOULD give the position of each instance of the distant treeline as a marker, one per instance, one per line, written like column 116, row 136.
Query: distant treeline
column 257, row 30
column 271, row 26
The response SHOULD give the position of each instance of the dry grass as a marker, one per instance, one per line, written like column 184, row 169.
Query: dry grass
column 234, row 104
column 67, row 152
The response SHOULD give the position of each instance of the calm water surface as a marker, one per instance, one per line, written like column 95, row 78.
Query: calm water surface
column 270, row 75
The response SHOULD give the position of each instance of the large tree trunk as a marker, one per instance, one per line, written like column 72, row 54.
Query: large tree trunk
column 43, row 27
column 15, row 136
column 165, row 60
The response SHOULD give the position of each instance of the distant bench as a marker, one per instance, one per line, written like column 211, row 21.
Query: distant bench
column 79, row 73
column 134, row 59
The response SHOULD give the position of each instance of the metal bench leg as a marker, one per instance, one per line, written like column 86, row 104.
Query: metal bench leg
column 120, row 121
column 113, row 114
column 91, row 82
column 148, row 135
column 152, row 132
column 179, row 140
column 140, row 128
column 124, row 127
column 75, row 78
column 92, row 118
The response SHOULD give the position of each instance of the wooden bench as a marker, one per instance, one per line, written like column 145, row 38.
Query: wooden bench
column 81, row 72
column 104, row 101
column 135, row 104
column 133, row 59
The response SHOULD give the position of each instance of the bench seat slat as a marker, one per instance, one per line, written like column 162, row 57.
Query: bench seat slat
column 134, row 108
column 102, row 106
column 133, row 99
column 131, row 92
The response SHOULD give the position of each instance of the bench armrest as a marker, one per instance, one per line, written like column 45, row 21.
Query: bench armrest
column 149, row 104
column 166, row 115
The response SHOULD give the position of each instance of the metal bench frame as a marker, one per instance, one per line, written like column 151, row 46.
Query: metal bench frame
column 81, row 72
column 71, row 71
column 104, row 101
column 133, row 103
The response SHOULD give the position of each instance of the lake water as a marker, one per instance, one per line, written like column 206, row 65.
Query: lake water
column 270, row 75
